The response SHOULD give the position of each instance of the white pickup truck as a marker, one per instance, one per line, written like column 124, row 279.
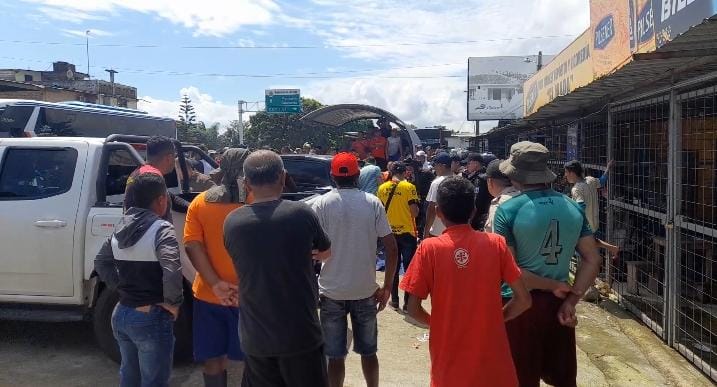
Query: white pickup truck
column 59, row 201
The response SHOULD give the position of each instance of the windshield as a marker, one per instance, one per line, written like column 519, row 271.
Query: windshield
column 308, row 174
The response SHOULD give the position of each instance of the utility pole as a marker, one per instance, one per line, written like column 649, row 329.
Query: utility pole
column 112, row 83
column 540, row 60
column 87, row 52
column 251, row 107
column 241, row 122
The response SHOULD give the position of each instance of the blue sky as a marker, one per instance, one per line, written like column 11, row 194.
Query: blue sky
column 405, row 56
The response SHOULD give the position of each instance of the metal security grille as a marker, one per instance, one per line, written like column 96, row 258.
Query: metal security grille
column 661, row 208
column 592, row 155
column 638, row 193
column 696, row 237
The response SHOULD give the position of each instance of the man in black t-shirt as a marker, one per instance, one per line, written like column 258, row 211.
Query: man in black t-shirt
column 483, row 198
column 272, row 243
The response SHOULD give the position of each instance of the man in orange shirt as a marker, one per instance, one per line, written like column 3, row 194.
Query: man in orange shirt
column 360, row 146
column 462, row 271
column 378, row 145
column 216, row 300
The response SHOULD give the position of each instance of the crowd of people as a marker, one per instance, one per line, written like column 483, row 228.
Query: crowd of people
column 488, row 240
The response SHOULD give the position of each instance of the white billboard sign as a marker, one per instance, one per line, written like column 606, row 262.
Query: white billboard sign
column 495, row 85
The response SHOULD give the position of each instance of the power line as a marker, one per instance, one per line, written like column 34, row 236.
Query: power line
column 282, row 46
column 305, row 75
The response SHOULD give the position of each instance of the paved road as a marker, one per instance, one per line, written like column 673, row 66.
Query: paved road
column 614, row 350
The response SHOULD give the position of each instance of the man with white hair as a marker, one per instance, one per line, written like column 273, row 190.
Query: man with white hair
column 422, row 158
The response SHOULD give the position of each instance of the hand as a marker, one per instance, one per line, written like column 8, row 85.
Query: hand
column 562, row 290
column 174, row 310
column 381, row 296
column 610, row 164
column 567, row 315
column 228, row 294
column 614, row 252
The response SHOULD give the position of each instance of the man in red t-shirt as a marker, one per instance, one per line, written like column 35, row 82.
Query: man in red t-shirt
column 462, row 271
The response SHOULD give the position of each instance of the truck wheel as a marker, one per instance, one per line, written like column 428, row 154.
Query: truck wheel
column 102, row 321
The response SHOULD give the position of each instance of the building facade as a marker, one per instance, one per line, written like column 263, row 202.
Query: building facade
column 64, row 83
column 655, row 114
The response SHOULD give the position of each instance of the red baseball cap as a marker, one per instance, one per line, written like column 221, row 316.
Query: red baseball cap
column 344, row 164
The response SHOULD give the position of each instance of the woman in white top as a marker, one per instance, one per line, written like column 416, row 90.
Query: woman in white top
column 394, row 150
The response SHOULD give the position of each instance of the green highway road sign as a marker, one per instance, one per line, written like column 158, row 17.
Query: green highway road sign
column 283, row 101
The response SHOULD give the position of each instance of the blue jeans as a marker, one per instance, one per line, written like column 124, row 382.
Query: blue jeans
column 146, row 342
column 407, row 245
column 334, row 326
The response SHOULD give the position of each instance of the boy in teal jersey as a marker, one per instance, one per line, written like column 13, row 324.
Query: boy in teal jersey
column 543, row 228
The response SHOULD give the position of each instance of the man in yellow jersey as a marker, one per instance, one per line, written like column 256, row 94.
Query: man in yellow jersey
column 401, row 201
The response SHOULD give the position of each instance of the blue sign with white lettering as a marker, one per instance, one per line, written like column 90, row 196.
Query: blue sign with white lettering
column 283, row 101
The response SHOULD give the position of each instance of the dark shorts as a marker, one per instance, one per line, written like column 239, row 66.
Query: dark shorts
column 307, row 369
column 215, row 331
column 335, row 326
column 541, row 347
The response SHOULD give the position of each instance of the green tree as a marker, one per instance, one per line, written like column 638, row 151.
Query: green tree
column 230, row 137
column 278, row 130
column 186, row 111
column 187, row 119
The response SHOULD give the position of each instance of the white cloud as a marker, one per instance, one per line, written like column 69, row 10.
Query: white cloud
column 207, row 109
column 82, row 33
column 368, row 33
column 213, row 18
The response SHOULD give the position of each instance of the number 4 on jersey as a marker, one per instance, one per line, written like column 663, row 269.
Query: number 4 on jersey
column 551, row 248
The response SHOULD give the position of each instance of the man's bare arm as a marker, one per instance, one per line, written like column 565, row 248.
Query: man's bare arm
column 200, row 260
column 414, row 210
column 415, row 310
column 589, row 268
column 226, row 292
column 519, row 303
column 534, row 281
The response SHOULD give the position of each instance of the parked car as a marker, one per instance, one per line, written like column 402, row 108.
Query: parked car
column 310, row 175
column 27, row 118
column 60, row 198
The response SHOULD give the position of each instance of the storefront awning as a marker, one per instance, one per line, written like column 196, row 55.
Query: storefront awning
column 689, row 56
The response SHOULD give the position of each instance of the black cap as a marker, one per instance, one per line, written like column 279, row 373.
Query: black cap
column 493, row 170
column 398, row 167
column 475, row 157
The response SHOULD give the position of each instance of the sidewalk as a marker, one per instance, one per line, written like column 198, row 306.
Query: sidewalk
column 614, row 349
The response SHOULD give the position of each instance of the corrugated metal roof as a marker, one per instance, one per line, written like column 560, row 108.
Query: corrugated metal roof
column 688, row 56
column 338, row 115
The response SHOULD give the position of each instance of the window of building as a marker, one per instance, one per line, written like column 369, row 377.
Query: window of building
column 28, row 78
column 29, row 174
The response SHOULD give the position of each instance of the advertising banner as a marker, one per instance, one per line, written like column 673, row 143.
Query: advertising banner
column 495, row 86
column 642, row 26
column 569, row 70
column 610, row 25
column 673, row 17
column 571, row 151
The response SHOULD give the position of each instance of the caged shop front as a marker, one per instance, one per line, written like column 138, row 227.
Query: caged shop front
column 655, row 115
